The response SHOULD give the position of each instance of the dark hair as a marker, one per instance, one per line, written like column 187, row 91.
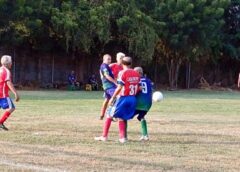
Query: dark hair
column 127, row 63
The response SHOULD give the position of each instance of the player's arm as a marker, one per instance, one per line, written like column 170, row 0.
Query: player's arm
column 239, row 80
column 105, row 73
column 14, row 91
column 110, row 79
column 115, row 94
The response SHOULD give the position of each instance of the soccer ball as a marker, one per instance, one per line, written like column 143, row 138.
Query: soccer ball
column 157, row 96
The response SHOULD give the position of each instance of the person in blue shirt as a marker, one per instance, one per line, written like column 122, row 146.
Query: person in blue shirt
column 144, row 102
column 109, row 85
column 72, row 80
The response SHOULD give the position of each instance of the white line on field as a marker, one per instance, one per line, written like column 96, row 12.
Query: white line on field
column 28, row 166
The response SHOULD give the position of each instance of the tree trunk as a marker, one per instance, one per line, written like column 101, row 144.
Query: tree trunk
column 14, row 65
column 22, row 73
column 53, row 67
column 188, row 74
column 156, row 75
column 173, row 72
column 39, row 76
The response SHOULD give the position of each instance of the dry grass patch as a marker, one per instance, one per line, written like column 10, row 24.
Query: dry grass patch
column 189, row 131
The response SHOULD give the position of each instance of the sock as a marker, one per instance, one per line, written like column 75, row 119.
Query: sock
column 126, row 126
column 122, row 129
column 144, row 127
column 5, row 116
column 106, row 127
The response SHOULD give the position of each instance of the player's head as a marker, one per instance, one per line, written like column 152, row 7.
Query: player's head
column 107, row 59
column 119, row 57
column 6, row 60
column 139, row 70
column 127, row 61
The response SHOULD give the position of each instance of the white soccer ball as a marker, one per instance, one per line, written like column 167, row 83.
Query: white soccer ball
column 157, row 96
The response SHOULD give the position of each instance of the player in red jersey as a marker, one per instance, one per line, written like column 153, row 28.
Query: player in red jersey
column 124, row 106
column 6, row 84
column 117, row 67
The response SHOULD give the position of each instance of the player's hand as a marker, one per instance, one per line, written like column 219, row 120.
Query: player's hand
column 17, row 98
column 101, row 117
column 110, row 103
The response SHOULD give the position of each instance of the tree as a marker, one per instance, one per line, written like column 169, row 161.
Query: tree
column 136, row 29
column 231, row 31
column 189, row 30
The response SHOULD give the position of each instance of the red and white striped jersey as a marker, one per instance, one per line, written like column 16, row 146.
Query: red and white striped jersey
column 130, row 81
column 116, row 68
column 5, row 76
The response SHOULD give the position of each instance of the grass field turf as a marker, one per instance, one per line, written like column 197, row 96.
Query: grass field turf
column 189, row 131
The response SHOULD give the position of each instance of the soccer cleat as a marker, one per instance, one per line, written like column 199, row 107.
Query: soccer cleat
column 2, row 126
column 144, row 138
column 101, row 138
column 123, row 140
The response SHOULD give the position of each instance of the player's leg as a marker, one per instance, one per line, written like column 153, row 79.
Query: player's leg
column 107, row 95
column 125, row 112
column 122, row 130
column 8, row 106
column 143, row 125
column 104, row 108
column 126, row 126
column 108, row 121
column 144, row 129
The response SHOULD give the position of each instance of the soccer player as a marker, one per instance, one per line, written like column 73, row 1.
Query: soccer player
column 109, row 86
column 125, row 104
column 108, row 82
column 144, row 102
column 117, row 67
column 6, row 84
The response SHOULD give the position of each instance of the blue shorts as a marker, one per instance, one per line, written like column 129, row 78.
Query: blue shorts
column 109, row 93
column 6, row 103
column 141, row 114
column 124, row 107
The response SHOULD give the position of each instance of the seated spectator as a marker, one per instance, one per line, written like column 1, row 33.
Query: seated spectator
column 72, row 81
column 93, row 82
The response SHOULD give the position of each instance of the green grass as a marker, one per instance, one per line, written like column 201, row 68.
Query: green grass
column 189, row 131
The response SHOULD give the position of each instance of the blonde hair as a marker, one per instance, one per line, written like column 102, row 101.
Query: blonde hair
column 120, row 55
column 6, row 59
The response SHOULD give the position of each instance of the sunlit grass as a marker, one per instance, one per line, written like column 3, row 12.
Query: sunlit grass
column 189, row 131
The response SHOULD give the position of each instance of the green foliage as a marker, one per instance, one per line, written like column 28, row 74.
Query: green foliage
column 189, row 30
column 231, row 36
column 136, row 29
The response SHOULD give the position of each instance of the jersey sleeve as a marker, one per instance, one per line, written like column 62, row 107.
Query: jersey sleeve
column 7, row 75
column 104, row 70
column 121, row 80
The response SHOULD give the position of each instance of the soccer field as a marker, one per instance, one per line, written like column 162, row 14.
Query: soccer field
column 189, row 131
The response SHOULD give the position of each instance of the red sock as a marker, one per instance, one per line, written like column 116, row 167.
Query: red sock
column 122, row 129
column 4, row 117
column 106, row 127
